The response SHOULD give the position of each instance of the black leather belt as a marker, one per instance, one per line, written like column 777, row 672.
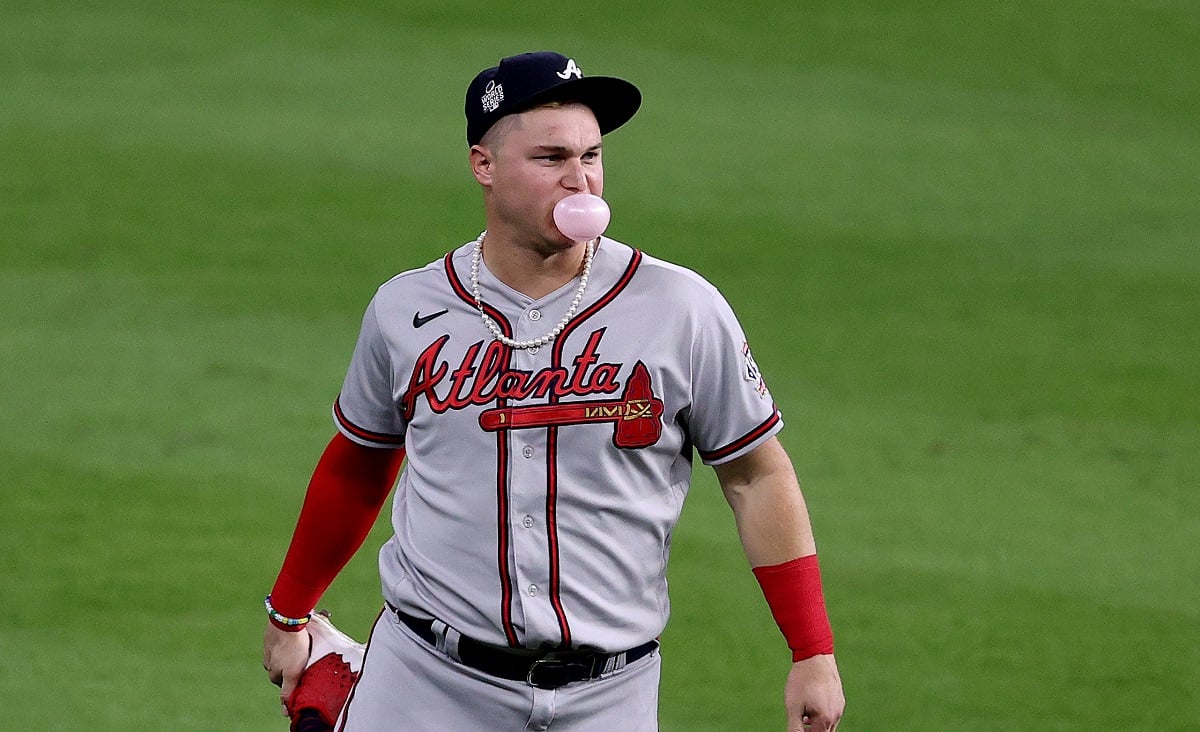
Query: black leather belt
column 546, row 669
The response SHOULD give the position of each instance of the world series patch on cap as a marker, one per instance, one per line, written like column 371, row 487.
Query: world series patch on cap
column 522, row 82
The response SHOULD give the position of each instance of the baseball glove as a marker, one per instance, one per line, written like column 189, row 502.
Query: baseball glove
column 334, row 664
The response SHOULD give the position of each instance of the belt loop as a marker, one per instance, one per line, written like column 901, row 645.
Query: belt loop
column 439, row 634
column 615, row 662
column 452, row 638
column 447, row 639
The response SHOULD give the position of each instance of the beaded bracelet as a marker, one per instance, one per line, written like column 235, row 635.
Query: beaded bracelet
column 280, row 619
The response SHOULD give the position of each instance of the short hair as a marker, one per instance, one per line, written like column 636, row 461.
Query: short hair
column 494, row 137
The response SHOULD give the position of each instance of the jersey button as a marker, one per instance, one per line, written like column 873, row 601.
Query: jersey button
column 533, row 590
column 527, row 451
column 527, row 522
column 534, row 351
column 535, row 315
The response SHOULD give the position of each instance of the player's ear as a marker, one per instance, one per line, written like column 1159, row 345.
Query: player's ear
column 482, row 162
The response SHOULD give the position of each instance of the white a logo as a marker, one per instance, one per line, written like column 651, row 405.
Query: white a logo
column 571, row 70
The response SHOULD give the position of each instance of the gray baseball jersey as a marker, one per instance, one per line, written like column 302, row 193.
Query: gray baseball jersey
column 543, row 485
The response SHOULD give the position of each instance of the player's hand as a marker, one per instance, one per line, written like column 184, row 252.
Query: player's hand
column 814, row 696
column 285, row 654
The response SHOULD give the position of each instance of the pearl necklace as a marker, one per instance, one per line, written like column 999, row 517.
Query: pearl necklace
column 477, row 256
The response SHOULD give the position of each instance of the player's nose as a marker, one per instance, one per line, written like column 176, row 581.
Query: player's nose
column 575, row 178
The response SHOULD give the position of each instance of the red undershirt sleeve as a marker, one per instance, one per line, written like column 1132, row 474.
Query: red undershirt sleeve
column 346, row 492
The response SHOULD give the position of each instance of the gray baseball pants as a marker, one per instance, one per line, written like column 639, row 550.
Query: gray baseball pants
column 409, row 686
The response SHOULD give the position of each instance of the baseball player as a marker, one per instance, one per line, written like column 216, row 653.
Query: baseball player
column 551, row 396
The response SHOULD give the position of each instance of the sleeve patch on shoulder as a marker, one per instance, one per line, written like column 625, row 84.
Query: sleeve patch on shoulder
column 751, row 372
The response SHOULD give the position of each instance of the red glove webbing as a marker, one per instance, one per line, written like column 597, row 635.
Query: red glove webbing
column 347, row 490
column 793, row 592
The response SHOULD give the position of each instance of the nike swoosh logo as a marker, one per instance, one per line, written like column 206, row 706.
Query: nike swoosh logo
column 419, row 320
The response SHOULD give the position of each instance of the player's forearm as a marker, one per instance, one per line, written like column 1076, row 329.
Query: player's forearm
column 768, row 506
column 773, row 523
column 346, row 492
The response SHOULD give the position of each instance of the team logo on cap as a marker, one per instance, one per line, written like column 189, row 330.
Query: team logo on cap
column 571, row 70
column 492, row 96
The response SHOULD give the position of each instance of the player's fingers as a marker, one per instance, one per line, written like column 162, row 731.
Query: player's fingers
column 274, row 673
column 817, row 722
column 284, row 658
column 285, row 694
column 808, row 720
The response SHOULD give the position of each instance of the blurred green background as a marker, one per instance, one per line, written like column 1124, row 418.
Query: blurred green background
column 962, row 237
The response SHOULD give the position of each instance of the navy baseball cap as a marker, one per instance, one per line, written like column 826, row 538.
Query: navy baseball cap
column 522, row 82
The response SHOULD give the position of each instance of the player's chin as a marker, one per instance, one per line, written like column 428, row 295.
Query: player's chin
column 556, row 239
column 565, row 241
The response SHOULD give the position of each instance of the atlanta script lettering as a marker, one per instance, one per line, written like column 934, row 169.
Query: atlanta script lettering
column 481, row 381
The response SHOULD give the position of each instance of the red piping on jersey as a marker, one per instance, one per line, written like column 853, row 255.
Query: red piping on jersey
column 502, row 537
column 742, row 441
column 469, row 299
column 552, row 446
column 359, row 432
column 346, row 707
column 564, row 628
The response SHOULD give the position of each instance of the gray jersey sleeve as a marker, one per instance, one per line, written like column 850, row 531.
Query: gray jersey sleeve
column 366, row 409
column 732, row 411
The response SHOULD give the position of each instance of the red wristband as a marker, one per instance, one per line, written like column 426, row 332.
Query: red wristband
column 793, row 592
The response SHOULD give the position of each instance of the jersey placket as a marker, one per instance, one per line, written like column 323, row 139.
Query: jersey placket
column 529, row 468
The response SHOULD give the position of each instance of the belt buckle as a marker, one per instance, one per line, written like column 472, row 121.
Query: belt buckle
column 551, row 673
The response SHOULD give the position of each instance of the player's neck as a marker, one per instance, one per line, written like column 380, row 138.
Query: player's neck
column 531, row 270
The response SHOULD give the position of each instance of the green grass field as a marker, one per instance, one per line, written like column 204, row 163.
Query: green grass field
column 962, row 236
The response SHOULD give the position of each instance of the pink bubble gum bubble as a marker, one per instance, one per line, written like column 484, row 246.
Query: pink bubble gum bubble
column 582, row 216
